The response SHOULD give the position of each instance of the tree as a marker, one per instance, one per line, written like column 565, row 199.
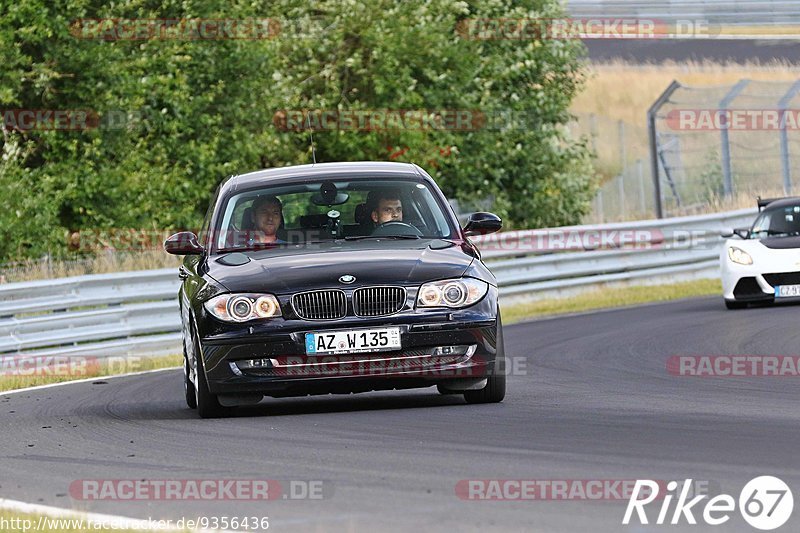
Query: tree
column 175, row 116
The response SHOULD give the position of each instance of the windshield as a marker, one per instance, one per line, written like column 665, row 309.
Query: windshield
column 777, row 222
column 313, row 211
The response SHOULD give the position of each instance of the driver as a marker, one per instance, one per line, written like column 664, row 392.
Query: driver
column 388, row 208
column 268, row 219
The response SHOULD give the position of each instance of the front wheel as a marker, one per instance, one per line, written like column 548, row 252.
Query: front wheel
column 495, row 389
column 208, row 405
column 188, row 386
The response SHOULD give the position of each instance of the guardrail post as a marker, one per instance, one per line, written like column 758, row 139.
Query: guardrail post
column 782, row 107
column 652, row 114
column 725, row 140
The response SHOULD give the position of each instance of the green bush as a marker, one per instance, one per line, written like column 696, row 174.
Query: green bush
column 196, row 111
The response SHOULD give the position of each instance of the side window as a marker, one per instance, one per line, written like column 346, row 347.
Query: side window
column 761, row 225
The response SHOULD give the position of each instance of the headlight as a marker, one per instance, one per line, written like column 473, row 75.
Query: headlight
column 243, row 307
column 452, row 293
column 737, row 255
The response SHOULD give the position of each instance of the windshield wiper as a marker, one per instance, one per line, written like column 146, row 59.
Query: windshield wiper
column 362, row 237
column 773, row 233
column 251, row 248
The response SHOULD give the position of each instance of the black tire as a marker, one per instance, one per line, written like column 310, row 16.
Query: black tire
column 733, row 304
column 188, row 386
column 495, row 389
column 208, row 405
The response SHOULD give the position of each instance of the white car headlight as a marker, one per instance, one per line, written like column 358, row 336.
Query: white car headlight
column 243, row 307
column 452, row 293
column 737, row 255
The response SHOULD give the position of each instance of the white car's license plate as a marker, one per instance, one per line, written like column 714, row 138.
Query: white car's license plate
column 354, row 341
column 787, row 291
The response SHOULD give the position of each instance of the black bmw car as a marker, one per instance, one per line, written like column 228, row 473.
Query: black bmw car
column 336, row 278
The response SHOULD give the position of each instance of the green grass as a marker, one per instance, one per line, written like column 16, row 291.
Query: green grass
column 19, row 522
column 609, row 298
column 105, row 367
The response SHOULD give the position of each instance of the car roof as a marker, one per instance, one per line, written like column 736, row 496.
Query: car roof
column 281, row 174
column 783, row 202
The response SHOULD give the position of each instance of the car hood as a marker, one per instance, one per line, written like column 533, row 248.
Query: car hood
column 297, row 268
column 781, row 243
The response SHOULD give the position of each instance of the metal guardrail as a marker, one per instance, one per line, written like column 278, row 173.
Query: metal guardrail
column 728, row 12
column 136, row 313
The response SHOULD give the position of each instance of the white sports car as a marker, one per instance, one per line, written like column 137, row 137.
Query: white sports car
column 762, row 263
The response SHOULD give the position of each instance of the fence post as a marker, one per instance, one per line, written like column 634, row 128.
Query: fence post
column 621, row 186
column 623, row 159
column 725, row 140
column 600, row 206
column 785, row 165
column 652, row 114
column 640, row 173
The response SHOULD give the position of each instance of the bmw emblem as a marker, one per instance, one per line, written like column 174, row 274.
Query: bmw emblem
column 347, row 278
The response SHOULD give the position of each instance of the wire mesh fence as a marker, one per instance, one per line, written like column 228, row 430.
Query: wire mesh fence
column 621, row 161
column 717, row 144
column 714, row 148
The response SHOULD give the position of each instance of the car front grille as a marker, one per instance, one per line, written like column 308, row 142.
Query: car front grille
column 378, row 301
column 783, row 278
column 320, row 305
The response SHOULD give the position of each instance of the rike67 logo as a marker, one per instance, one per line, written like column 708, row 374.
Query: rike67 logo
column 765, row 502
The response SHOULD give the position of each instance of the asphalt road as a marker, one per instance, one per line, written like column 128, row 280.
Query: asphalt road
column 589, row 399
column 716, row 50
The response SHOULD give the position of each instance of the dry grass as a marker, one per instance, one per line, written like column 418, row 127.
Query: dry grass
column 82, row 368
column 99, row 264
column 621, row 91
column 789, row 29
column 610, row 298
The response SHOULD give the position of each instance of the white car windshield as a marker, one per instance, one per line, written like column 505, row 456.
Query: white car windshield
column 777, row 222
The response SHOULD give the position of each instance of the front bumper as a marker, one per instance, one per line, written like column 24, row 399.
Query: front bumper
column 438, row 347
column 744, row 283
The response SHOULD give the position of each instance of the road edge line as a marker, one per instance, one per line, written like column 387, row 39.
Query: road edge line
column 86, row 380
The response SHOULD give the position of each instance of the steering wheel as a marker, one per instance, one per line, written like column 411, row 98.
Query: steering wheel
column 395, row 227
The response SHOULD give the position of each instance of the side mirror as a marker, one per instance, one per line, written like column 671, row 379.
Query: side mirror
column 743, row 233
column 183, row 243
column 482, row 224
column 727, row 233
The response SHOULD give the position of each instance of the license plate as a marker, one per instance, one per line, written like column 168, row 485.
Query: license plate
column 353, row 341
column 787, row 291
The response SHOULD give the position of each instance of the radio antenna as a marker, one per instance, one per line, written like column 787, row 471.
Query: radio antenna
column 311, row 139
